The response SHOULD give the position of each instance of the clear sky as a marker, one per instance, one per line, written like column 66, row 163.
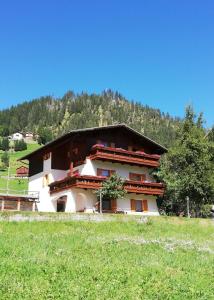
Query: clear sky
column 160, row 53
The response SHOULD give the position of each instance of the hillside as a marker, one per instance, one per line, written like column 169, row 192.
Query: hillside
column 121, row 258
column 79, row 111
column 15, row 183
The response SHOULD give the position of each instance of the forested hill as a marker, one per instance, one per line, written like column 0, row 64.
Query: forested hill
column 79, row 111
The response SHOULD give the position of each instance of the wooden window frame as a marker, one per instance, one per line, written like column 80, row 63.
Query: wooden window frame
column 99, row 172
column 142, row 176
column 109, row 144
column 144, row 205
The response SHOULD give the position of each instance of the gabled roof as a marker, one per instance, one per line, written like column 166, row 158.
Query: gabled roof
column 71, row 133
column 22, row 167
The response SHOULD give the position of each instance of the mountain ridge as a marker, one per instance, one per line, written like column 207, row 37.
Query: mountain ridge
column 75, row 111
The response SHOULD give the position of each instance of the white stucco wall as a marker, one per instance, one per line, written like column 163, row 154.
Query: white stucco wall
column 70, row 202
column 77, row 200
column 125, row 204
column 36, row 184
column 54, row 173
column 80, row 199
column 90, row 168
column 84, row 200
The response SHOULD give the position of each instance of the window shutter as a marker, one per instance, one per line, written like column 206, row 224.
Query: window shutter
column 99, row 172
column 112, row 172
column 145, row 205
column 114, row 205
column 133, row 206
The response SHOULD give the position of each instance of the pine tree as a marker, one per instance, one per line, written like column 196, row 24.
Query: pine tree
column 5, row 160
column 5, row 144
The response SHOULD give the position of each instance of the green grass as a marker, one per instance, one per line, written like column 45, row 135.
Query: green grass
column 166, row 258
column 16, row 184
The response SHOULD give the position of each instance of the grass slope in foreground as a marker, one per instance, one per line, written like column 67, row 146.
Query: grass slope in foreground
column 167, row 258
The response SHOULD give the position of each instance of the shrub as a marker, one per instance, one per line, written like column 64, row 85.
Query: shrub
column 205, row 211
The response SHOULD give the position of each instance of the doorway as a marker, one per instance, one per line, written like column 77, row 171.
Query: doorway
column 61, row 204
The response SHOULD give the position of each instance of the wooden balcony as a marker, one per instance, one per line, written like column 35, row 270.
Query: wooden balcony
column 117, row 155
column 95, row 182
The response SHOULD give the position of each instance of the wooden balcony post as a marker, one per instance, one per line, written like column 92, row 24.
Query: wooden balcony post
column 2, row 204
column 71, row 168
column 33, row 206
column 18, row 204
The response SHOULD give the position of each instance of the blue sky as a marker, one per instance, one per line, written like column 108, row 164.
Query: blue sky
column 160, row 53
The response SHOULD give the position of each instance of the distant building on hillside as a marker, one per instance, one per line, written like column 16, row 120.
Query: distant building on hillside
column 17, row 136
column 22, row 171
column 28, row 137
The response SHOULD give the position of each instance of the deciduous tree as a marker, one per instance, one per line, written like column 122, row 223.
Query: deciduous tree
column 188, row 168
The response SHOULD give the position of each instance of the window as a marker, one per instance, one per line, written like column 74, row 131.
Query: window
column 106, row 144
column 139, row 205
column 135, row 148
column 137, row 177
column 106, row 204
column 75, row 151
column 105, row 172
column 109, row 205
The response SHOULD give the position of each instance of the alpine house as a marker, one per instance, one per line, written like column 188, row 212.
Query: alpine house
column 68, row 170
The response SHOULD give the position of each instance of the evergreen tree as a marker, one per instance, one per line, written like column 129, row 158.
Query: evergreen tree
column 5, row 160
column 72, row 111
column 5, row 144
column 188, row 168
column 45, row 136
column 20, row 145
column 210, row 135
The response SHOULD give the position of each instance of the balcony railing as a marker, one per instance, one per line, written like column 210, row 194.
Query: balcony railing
column 95, row 182
column 99, row 152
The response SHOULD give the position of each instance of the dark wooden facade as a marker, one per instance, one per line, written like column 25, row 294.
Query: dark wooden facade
column 121, row 144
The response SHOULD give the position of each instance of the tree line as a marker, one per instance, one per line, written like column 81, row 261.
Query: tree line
column 50, row 117
column 18, row 145
column 188, row 169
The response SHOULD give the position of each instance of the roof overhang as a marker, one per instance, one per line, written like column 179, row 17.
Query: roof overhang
column 72, row 133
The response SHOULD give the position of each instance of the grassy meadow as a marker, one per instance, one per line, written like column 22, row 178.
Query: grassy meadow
column 164, row 258
column 16, row 183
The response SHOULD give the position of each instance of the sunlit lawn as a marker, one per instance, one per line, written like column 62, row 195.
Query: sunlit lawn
column 166, row 258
